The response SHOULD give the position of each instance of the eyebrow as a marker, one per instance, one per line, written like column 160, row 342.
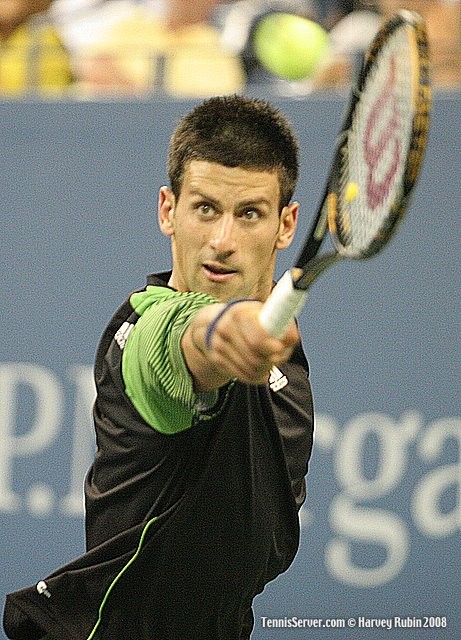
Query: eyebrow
column 252, row 202
column 204, row 196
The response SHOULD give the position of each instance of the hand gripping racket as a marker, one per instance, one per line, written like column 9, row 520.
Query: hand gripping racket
column 378, row 156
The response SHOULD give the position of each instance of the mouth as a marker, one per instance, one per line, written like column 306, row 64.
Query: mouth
column 217, row 272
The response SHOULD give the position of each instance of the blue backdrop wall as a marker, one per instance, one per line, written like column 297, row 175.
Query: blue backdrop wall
column 381, row 526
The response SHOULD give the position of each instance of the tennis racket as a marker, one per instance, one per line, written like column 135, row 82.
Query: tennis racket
column 377, row 159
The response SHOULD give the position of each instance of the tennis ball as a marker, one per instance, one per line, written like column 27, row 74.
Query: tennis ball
column 290, row 46
column 351, row 191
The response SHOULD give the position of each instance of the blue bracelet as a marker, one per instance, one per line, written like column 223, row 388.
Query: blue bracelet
column 212, row 326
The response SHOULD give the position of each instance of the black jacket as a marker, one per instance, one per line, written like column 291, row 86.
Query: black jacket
column 183, row 530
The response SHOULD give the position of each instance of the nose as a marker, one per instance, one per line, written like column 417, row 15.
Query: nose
column 223, row 239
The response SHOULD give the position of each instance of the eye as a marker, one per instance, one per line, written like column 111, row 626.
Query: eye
column 205, row 210
column 250, row 215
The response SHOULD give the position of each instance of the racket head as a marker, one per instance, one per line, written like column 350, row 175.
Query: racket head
column 382, row 144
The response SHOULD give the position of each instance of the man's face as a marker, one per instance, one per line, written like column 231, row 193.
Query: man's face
column 18, row 10
column 226, row 228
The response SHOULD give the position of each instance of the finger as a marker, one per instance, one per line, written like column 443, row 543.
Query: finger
column 241, row 363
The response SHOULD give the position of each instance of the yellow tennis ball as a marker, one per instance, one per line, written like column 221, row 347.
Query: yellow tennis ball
column 290, row 46
column 351, row 191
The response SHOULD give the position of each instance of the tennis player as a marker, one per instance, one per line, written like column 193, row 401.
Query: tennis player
column 203, row 420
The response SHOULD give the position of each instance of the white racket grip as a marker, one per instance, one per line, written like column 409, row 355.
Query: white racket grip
column 282, row 306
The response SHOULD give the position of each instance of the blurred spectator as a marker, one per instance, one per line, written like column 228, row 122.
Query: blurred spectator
column 128, row 47
column 197, row 48
column 238, row 20
column 330, row 12
column 443, row 19
column 352, row 25
column 32, row 57
column 182, row 14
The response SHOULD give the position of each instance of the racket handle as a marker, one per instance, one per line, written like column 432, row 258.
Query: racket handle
column 282, row 306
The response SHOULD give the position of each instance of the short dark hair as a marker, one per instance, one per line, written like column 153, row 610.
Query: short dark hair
column 235, row 131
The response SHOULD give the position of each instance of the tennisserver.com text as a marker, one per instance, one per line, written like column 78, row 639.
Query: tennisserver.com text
column 396, row 622
column 303, row 623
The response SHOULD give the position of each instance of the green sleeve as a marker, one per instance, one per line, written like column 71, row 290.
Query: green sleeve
column 155, row 374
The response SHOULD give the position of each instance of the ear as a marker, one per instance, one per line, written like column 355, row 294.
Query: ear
column 287, row 225
column 166, row 206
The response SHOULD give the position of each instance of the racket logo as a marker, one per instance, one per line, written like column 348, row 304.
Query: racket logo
column 382, row 148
